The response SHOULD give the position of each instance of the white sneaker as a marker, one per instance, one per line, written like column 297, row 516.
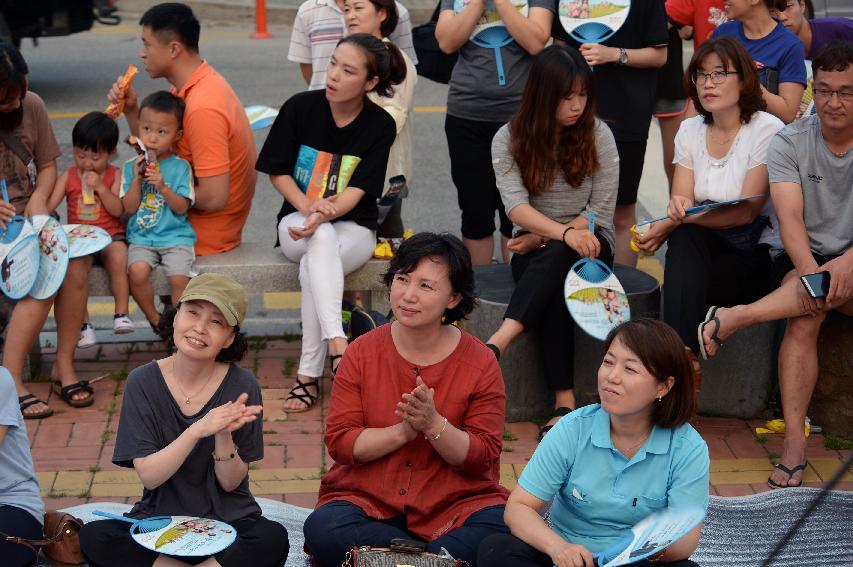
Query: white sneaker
column 87, row 336
column 122, row 324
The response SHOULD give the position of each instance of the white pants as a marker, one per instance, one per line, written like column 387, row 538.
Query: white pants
column 335, row 249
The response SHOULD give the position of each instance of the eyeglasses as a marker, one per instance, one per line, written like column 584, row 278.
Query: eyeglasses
column 717, row 77
column 826, row 94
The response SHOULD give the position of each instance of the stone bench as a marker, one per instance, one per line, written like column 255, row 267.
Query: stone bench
column 258, row 267
column 527, row 395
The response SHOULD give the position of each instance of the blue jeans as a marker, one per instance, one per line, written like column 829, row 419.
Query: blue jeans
column 335, row 528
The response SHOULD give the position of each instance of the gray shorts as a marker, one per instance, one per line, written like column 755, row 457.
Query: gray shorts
column 176, row 260
column 665, row 107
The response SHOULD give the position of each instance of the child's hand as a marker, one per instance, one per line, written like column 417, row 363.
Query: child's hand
column 93, row 180
column 7, row 211
column 154, row 177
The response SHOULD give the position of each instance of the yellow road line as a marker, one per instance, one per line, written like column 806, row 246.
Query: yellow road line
column 72, row 115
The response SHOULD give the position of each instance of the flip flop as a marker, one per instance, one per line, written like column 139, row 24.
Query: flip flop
column 710, row 317
column 306, row 397
column 66, row 393
column 30, row 400
column 332, row 366
column 559, row 412
column 790, row 472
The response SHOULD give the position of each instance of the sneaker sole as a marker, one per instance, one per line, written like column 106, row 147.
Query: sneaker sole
column 87, row 345
column 123, row 331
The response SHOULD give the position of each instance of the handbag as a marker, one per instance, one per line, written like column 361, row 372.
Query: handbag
column 385, row 557
column 63, row 546
column 433, row 63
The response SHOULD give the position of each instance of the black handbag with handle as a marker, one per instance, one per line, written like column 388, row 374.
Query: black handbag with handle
column 433, row 63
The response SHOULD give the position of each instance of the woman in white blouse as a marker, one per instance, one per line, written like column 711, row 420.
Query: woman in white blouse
column 722, row 256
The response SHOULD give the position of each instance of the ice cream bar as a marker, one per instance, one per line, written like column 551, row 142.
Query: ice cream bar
column 88, row 194
column 140, row 149
column 114, row 110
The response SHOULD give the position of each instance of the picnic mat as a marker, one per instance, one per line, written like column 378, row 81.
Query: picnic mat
column 738, row 532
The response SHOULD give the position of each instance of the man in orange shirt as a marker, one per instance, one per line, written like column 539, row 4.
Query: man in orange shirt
column 217, row 138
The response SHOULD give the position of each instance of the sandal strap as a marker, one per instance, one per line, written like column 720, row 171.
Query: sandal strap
column 28, row 401
column 306, row 397
column 791, row 471
column 332, row 366
column 71, row 389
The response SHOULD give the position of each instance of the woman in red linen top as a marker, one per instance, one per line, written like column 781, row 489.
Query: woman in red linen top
column 415, row 421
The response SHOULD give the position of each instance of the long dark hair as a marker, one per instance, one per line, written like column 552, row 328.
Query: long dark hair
column 13, row 73
column 731, row 52
column 384, row 61
column 540, row 146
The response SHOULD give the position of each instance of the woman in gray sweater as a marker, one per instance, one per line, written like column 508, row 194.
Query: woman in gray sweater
column 554, row 163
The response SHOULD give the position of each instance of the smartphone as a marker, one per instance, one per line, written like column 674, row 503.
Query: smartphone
column 407, row 545
column 817, row 285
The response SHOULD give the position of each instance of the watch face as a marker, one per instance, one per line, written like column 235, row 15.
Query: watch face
column 623, row 56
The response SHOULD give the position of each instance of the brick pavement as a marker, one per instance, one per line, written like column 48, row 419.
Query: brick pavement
column 73, row 449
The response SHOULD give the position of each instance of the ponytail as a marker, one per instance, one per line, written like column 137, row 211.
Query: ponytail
column 384, row 61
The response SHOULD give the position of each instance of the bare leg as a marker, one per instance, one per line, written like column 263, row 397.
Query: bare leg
column 506, row 333
column 143, row 292
column 798, row 368
column 505, row 253
column 70, row 310
column 337, row 345
column 624, row 217
column 114, row 258
column 177, row 284
column 25, row 323
column 481, row 250
column 782, row 303
column 166, row 561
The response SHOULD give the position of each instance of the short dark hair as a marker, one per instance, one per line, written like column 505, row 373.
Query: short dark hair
column 164, row 101
column 731, row 52
column 834, row 56
column 662, row 352
column 95, row 131
column 175, row 19
column 450, row 250
column 233, row 353
column 13, row 72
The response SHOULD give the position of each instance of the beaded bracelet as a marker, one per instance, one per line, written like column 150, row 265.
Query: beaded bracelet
column 438, row 436
column 225, row 459
column 565, row 232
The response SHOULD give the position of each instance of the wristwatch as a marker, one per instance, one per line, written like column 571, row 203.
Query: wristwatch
column 623, row 56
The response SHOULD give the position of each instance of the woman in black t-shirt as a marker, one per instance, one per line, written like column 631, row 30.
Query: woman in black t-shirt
column 326, row 154
column 189, row 426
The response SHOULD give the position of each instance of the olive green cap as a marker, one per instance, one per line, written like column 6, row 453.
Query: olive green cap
column 225, row 293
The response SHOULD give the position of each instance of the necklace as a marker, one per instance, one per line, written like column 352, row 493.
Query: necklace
column 726, row 140
column 183, row 392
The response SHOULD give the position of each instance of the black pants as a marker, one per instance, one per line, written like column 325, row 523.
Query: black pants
column 470, row 146
column 18, row 522
column 392, row 227
column 632, row 156
column 259, row 543
column 506, row 550
column 335, row 528
column 538, row 303
column 701, row 270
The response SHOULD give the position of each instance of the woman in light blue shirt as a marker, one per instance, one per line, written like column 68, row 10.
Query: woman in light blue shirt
column 607, row 466
column 21, row 506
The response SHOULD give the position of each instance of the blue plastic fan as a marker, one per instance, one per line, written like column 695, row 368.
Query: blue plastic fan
column 14, row 226
column 143, row 526
column 495, row 38
column 591, row 271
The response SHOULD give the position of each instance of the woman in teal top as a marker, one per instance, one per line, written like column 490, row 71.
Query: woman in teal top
column 607, row 466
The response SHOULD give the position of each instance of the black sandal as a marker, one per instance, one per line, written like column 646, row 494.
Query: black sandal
column 332, row 366
column 30, row 400
column 306, row 397
column 559, row 412
column 66, row 393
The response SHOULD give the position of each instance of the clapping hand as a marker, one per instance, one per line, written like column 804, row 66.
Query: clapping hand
column 418, row 408
column 226, row 418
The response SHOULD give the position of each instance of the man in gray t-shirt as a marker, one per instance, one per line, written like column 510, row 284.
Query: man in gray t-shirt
column 810, row 165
